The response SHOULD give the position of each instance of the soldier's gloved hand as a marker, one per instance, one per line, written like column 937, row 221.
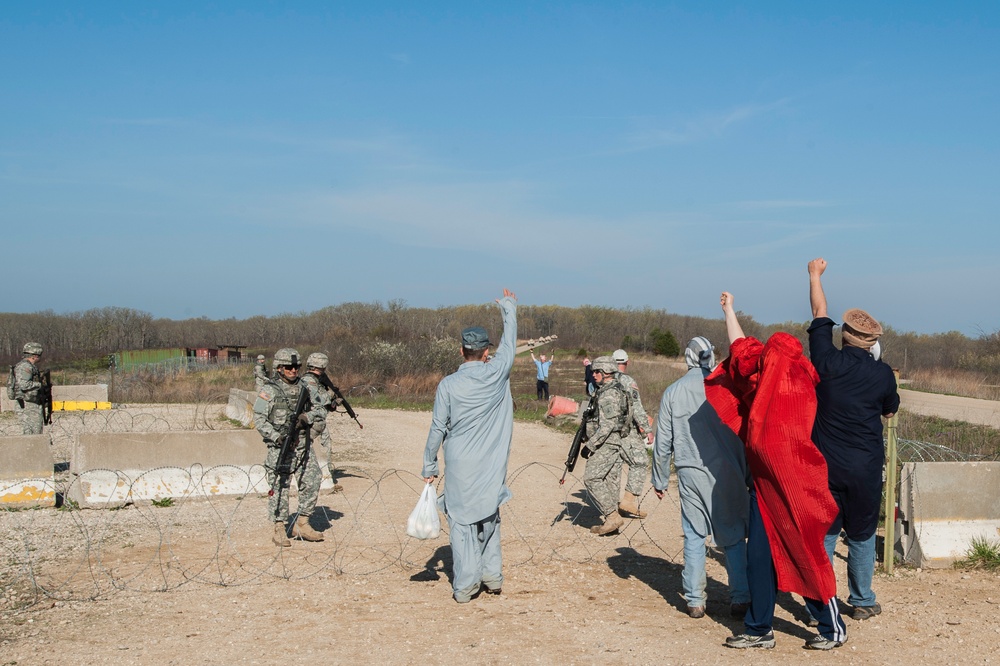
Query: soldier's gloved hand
column 585, row 452
column 304, row 421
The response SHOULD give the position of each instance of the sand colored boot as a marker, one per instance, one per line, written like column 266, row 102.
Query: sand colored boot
column 612, row 522
column 629, row 507
column 280, row 537
column 302, row 530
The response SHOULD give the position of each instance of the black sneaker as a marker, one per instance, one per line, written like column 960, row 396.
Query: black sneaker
column 821, row 642
column 866, row 612
column 747, row 641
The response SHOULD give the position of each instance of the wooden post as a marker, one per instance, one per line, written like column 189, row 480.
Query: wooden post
column 889, row 543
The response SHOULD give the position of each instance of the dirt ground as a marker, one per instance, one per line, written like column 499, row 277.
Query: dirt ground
column 953, row 407
column 200, row 582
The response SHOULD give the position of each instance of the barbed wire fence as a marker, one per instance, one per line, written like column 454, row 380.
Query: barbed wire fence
column 73, row 554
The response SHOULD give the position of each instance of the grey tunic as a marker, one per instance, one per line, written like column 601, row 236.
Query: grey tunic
column 473, row 409
column 710, row 460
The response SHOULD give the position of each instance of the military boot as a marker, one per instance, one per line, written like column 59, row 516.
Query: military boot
column 611, row 523
column 302, row 530
column 280, row 537
column 629, row 507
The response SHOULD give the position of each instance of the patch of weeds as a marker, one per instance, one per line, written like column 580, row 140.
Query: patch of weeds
column 983, row 553
column 69, row 505
column 233, row 422
column 164, row 502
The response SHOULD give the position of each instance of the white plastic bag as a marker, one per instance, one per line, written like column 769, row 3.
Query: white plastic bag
column 424, row 522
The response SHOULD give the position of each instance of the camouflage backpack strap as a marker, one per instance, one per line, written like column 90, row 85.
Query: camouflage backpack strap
column 625, row 422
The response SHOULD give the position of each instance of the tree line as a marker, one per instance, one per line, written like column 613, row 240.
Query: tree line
column 391, row 338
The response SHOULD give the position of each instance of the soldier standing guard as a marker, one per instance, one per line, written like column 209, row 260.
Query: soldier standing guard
column 605, row 450
column 28, row 390
column 640, row 434
column 324, row 401
column 260, row 372
column 274, row 415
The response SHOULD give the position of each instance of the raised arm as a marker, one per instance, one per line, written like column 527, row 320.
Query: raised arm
column 817, row 299
column 733, row 327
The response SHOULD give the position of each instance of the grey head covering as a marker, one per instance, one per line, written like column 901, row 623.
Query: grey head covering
column 700, row 352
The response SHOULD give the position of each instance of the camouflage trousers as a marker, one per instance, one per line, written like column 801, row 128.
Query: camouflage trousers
column 635, row 456
column 30, row 417
column 307, row 470
column 321, row 438
column 603, row 476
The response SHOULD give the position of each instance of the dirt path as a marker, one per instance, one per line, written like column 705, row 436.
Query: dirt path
column 200, row 582
column 952, row 407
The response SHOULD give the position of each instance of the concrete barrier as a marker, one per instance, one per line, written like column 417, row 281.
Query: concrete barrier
column 945, row 505
column 240, row 406
column 85, row 393
column 27, row 476
column 113, row 469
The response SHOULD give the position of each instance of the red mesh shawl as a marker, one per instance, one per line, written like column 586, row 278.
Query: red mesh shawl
column 767, row 395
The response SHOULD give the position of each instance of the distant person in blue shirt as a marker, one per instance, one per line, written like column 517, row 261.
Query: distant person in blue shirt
column 542, row 377
column 474, row 420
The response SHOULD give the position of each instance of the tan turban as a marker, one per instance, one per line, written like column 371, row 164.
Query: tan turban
column 860, row 329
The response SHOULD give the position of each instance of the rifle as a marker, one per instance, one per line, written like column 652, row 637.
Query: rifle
column 45, row 393
column 325, row 381
column 580, row 438
column 283, row 468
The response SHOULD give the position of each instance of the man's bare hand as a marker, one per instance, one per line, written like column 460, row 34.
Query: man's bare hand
column 817, row 266
column 429, row 479
column 726, row 301
column 506, row 293
column 659, row 493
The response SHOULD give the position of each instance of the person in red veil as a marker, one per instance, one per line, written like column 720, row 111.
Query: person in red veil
column 766, row 393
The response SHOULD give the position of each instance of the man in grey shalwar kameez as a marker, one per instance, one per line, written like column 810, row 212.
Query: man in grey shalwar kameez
column 474, row 419
column 713, row 479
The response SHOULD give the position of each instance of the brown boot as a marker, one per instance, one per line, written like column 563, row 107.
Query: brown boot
column 302, row 530
column 611, row 523
column 280, row 537
column 629, row 507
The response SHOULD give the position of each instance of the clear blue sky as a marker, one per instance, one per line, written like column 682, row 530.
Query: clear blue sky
column 229, row 159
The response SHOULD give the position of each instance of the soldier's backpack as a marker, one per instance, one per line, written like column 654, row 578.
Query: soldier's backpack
column 11, row 384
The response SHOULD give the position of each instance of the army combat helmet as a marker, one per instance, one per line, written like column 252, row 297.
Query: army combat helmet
column 32, row 349
column 604, row 364
column 287, row 357
column 318, row 361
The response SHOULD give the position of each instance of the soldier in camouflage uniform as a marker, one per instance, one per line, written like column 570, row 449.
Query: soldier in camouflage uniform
column 322, row 397
column 607, row 438
column 27, row 390
column 273, row 412
column 260, row 372
column 639, row 436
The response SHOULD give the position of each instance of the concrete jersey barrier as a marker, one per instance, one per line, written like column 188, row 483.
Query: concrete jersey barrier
column 78, row 394
column 27, row 472
column 240, row 406
column 945, row 505
column 112, row 469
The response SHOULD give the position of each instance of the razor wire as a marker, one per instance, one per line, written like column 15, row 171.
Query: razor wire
column 72, row 554
column 79, row 554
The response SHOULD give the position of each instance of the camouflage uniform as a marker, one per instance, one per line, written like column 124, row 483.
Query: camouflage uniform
column 604, row 466
column 27, row 396
column 260, row 374
column 273, row 411
column 634, row 450
column 323, row 402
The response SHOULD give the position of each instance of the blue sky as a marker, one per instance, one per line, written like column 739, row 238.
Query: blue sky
column 231, row 159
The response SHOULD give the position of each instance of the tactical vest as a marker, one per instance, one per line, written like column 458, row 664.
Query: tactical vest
column 283, row 406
